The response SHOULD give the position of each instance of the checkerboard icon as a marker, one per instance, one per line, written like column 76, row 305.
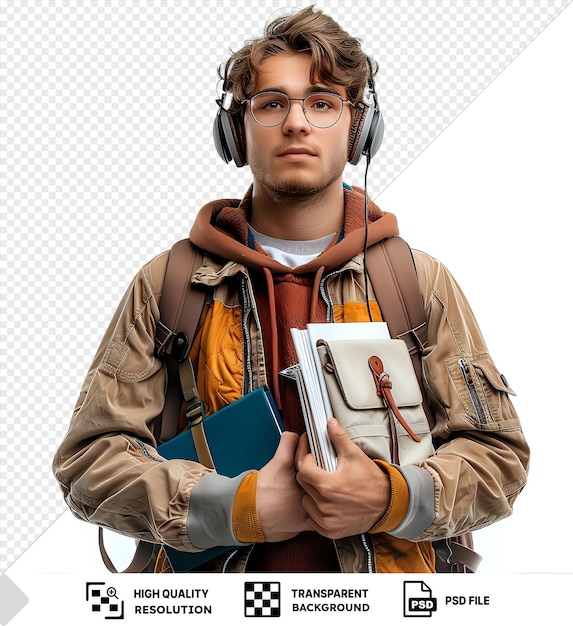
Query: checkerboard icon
column 262, row 599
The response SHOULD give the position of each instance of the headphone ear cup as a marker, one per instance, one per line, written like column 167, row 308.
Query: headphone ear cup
column 376, row 133
column 229, row 138
column 220, row 140
column 366, row 133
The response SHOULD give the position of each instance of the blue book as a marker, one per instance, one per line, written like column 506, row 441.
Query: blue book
column 243, row 435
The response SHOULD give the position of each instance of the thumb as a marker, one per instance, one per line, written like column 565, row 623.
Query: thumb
column 287, row 445
column 342, row 442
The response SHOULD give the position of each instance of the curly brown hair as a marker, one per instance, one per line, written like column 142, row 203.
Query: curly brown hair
column 337, row 58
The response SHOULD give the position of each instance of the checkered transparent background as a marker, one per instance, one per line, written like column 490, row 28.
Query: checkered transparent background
column 107, row 109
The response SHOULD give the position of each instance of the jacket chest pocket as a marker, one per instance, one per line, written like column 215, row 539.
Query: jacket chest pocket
column 481, row 389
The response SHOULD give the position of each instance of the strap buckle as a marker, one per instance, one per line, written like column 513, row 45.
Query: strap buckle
column 194, row 413
column 413, row 340
column 180, row 347
column 174, row 345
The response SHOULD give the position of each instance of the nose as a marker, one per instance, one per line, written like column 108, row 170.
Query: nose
column 295, row 120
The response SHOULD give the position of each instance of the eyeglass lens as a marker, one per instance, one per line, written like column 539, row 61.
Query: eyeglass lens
column 272, row 108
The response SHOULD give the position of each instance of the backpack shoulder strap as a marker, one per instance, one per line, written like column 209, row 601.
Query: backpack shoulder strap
column 390, row 267
column 180, row 306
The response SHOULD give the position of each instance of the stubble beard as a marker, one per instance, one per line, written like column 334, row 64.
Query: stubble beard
column 297, row 188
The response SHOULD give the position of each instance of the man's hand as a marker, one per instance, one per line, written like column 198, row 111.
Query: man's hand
column 279, row 496
column 348, row 501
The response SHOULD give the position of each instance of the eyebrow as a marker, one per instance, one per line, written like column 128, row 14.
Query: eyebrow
column 312, row 89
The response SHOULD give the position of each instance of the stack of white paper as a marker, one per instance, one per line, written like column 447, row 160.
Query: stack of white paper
column 311, row 386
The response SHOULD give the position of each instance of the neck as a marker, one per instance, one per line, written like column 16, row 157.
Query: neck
column 297, row 217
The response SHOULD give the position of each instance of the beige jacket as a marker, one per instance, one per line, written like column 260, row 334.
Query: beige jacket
column 111, row 474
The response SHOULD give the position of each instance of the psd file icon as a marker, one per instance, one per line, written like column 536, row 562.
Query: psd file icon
column 418, row 599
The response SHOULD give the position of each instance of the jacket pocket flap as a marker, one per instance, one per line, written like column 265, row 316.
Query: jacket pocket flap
column 489, row 371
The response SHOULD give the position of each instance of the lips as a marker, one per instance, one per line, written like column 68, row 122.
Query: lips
column 294, row 152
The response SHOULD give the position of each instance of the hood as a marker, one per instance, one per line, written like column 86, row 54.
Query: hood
column 221, row 228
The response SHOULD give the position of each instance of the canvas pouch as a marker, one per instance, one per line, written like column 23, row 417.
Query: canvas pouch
column 376, row 398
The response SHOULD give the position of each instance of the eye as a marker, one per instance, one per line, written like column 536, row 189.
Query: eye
column 273, row 105
column 323, row 102
column 321, row 105
column 270, row 102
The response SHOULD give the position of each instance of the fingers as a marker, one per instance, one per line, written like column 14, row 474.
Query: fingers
column 294, row 493
column 278, row 496
column 286, row 449
column 349, row 500
column 302, row 451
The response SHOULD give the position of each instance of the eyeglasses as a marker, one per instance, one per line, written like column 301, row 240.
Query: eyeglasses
column 322, row 109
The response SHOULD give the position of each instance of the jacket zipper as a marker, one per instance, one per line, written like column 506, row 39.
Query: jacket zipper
column 146, row 452
column 242, row 553
column 324, row 294
column 227, row 561
column 247, row 350
column 325, row 297
column 368, row 550
column 471, row 387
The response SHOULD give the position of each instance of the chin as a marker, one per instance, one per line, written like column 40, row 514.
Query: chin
column 300, row 186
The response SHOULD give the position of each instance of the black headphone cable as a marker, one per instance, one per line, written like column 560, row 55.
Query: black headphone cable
column 366, row 234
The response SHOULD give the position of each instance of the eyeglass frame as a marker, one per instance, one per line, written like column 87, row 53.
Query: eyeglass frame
column 289, row 100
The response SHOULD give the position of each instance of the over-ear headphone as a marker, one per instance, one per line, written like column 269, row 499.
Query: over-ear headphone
column 229, row 134
column 365, row 136
column 367, row 127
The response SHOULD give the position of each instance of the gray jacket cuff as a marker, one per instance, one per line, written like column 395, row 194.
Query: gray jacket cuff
column 210, row 519
column 420, row 513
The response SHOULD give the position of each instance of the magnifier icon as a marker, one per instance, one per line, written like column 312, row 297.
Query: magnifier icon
column 115, row 608
column 112, row 593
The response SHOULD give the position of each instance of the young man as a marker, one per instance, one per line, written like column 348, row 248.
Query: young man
column 290, row 253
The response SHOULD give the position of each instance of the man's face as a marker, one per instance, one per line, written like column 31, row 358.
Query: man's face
column 294, row 158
